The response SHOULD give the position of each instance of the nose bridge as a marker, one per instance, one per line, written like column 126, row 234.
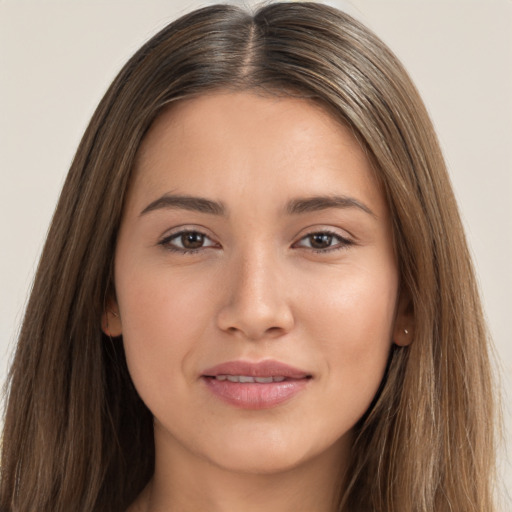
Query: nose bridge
column 256, row 302
column 256, row 285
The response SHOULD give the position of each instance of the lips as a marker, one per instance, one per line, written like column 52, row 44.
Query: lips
column 267, row 368
column 260, row 385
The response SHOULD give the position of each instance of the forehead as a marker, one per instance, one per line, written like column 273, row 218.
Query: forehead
column 241, row 140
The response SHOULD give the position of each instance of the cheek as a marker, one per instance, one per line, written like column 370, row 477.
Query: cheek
column 356, row 304
column 353, row 325
column 161, row 320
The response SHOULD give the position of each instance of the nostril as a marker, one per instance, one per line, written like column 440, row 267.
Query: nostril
column 256, row 319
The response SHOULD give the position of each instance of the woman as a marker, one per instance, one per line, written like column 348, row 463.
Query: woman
column 247, row 299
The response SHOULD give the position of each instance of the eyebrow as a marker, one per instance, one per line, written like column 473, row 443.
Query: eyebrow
column 197, row 204
column 294, row 207
column 313, row 204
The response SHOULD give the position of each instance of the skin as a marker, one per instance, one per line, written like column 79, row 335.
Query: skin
column 257, row 288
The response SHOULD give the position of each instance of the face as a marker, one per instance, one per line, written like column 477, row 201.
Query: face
column 256, row 283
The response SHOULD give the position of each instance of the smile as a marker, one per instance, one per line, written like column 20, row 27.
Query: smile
column 249, row 379
column 261, row 385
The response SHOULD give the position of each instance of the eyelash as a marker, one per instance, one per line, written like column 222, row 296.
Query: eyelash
column 167, row 241
column 342, row 242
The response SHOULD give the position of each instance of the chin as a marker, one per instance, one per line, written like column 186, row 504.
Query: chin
column 259, row 462
column 271, row 453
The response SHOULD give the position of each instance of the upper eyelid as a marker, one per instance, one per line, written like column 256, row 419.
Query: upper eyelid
column 331, row 230
column 344, row 239
column 340, row 237
column 181, row 233
column 312, row 230
column 170, row 236
column 186, row 228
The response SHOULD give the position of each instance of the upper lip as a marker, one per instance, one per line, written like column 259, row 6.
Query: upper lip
column 267, row 368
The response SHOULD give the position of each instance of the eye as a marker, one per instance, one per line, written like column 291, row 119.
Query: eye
column 187, row 241
column 323, row 241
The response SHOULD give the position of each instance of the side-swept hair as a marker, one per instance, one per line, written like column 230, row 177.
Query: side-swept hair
column 78, row 438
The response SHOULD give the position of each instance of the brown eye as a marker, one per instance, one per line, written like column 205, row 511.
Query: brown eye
column 323, row 241
column 320, row 240
column 192, row 240
column 187, row 241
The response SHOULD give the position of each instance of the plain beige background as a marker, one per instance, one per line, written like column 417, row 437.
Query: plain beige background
column 58, row 57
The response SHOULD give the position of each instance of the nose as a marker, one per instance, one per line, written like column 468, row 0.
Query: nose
column 256, row 304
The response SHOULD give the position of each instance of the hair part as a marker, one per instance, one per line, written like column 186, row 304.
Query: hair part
column 78, row 437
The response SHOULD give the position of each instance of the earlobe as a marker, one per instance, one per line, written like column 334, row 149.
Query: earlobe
column 403, row 332
column 402, row 337
column 111, row 321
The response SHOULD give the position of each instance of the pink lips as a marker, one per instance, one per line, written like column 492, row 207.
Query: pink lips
column 259, row 385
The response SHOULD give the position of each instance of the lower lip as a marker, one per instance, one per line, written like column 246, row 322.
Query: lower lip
column 255, row 395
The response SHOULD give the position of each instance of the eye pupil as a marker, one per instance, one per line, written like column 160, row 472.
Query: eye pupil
column 192, row 240
column 320, row 240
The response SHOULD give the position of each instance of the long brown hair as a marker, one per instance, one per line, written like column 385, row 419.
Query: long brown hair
column 77, row 436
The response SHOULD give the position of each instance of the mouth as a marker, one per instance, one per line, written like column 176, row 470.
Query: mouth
column 248, row 379
column 265, row 369
column 261, row 385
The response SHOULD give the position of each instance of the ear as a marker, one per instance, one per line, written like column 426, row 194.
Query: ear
column 403, row 330
column 111, row 320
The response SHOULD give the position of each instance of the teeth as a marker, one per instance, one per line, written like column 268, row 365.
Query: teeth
column 263, row 380
column 247, row 378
